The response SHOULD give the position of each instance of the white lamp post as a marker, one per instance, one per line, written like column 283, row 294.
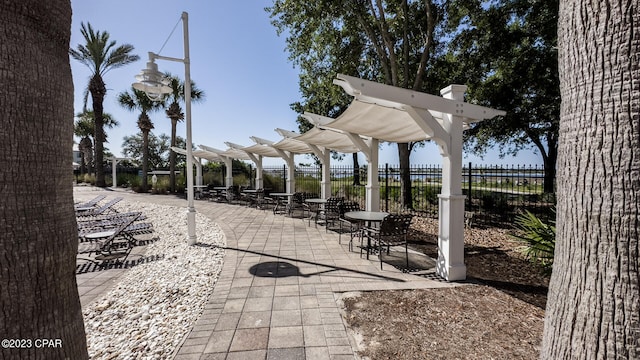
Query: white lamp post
column 152, row 83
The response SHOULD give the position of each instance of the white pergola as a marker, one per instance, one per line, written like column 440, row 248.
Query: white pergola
column 387, row 113
column 227, row 157
column 197, row 156
column 321, row 142
column 262, row 148
column 114, row 164
column 381, row 112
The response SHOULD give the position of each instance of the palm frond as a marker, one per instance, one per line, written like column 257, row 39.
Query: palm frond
column 538, row 239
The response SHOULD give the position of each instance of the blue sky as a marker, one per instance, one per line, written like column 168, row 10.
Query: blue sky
column 236, row 58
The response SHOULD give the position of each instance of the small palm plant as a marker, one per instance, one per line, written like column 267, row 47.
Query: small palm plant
column 538, row 238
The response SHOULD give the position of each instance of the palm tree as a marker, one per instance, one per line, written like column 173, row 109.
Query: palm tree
column 137, row 100
column 84, row 128
column 100, row 55
column 39, row 296
column 174, row 112
column 594, row 293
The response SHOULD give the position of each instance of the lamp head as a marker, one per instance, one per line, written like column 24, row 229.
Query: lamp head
column 152, row 81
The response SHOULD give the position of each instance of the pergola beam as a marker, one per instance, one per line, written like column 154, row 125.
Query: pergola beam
column 392, row 96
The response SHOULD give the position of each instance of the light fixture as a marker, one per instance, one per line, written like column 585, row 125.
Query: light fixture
column 151, row 81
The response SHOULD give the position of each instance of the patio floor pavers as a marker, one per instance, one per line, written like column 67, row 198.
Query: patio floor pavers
column 276, row 294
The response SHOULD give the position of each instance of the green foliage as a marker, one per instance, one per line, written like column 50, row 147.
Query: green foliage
column 162, row 186
column 491, row 199
column 90, row 179
column 159, row 146
column 127, row 180
column 132, row 181
column 506, row 52
column 241, row 180
column 431, row 193
column 538, row 238
column 272, row 182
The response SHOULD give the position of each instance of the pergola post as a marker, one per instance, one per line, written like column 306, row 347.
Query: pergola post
column 373, row 186
column 259, row 181
column 228, row 163
column 450, row 263
column 198, row 162
column 291, row 175
column 325, row 182
column 114, row 165
column 324, row 155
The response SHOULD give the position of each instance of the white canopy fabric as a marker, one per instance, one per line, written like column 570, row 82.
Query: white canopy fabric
column 222, row 154
column 329, row 138
column 260, row 149
column 380, row 122
column 293, row 145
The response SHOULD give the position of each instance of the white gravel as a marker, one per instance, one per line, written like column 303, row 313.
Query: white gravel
column 155, row 304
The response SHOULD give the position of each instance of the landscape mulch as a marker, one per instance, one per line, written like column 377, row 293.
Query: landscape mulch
column 498, row 313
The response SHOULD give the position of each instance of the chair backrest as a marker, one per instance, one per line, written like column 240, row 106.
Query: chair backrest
column 332, row 204
column 347, row 206
column 91, row 203
column 104, row 208
column 395, row 224
column 298, row 197
column 122, row 227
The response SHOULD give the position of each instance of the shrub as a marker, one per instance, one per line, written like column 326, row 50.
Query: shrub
column 538, row 239
column 88, row 178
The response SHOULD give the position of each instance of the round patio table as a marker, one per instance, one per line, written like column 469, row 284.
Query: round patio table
column 369, row 217
column 279, row 197
column 316, row 203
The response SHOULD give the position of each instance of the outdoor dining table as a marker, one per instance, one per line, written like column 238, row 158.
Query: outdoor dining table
column 369, row 217
column 198, row 190
column 279, row 197
column 315, row 206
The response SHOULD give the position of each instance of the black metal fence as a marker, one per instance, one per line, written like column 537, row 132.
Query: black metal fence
column 495, row 194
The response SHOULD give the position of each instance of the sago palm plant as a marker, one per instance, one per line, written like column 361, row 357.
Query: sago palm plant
column 538, row 239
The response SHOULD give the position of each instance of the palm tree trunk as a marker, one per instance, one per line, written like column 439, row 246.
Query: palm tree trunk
column 39, row 297
column 593, row 308
column 172, row 156
column 145, row 159
column 98, row 90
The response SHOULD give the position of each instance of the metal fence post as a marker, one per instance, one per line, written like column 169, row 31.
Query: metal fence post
column 469, row 187
column 386, row 186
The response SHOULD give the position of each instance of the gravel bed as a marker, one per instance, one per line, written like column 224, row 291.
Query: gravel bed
column 155, row 304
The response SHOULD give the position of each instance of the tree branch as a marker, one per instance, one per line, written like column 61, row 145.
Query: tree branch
column 417, row 84
column 386, row 38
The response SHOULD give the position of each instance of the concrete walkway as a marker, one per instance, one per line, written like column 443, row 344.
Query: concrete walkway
column 277, row 294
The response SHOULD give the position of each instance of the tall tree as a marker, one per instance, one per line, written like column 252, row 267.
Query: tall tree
column 505, row 51
column 137, row 100
column 391, row 42
column 84, row 128
column 593, row 311
column 174, row 112
column 39, row 297
column 159, row 146
column 100, row 55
